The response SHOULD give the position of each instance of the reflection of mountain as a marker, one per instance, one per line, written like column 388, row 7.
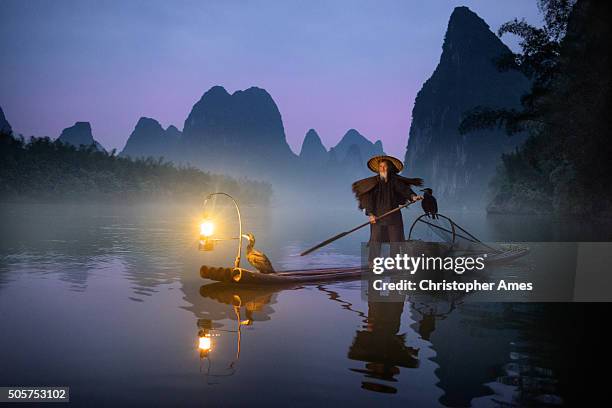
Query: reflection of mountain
column 459, row 167
column 76, row 242
column 484, row 352
column 475, row 341
column 69, row 245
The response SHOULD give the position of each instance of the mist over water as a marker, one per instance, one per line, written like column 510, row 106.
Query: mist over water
column 108, row 297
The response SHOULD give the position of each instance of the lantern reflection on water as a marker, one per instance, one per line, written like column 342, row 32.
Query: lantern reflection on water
column 204, row 343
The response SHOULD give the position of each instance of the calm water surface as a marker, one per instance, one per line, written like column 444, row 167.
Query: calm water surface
column 108, row 300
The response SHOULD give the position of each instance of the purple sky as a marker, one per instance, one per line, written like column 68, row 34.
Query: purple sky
column 329, row 65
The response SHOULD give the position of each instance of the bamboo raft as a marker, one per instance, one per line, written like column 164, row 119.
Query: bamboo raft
column 457, row 242
column 248, row 277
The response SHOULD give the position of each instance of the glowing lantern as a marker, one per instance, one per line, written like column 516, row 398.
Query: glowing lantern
column 207, row 228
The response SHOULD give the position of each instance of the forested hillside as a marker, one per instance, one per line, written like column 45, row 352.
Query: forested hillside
column 42, row 169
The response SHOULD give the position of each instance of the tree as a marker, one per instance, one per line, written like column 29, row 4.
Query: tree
column 43, row 169
column 566, row 158
column 539, row 60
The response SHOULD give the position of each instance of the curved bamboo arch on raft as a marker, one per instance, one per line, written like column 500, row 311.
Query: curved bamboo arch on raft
column 236, row 272
column 453, row 231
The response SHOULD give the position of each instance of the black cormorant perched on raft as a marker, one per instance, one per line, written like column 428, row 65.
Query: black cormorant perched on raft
column 256, row 258
column 429, row 203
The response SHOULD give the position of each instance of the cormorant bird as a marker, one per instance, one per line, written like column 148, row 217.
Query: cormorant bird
column 256, row 258
column 429, row 203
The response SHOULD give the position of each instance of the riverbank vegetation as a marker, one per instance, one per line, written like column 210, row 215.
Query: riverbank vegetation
column 564, row 165
column 46, row 170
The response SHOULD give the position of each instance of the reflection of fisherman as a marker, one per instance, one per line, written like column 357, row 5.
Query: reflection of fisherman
column 382, row 193
column 382, row 347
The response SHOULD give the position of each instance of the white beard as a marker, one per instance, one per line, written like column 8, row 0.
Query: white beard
column 383, row 176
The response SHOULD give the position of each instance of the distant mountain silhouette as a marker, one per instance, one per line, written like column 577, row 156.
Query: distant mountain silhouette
column 149, row 139
column 173, row 133
column 312, row 149
column 239, row 133
column 353, row 137
column 354, row 159
column 459, row 167
column 242, row 134
column 5, row 126
column 79, row 135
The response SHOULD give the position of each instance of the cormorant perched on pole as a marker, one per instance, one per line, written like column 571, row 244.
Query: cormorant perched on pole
column 429, row 203
column 256, row 258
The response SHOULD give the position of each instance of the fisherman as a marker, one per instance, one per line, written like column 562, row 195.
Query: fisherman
column 429, row 203
column 381, row 193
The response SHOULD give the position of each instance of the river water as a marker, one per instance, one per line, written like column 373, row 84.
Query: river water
column 107, row 299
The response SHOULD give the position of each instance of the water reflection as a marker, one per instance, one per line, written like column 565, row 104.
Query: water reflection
column 385, row 349
column 243, row 305
column 484, row 354
column 421, row 351
column 428, row 312
column 380, row 345
column 76, row 242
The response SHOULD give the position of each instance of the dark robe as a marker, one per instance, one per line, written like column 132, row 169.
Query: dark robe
column 377, row 197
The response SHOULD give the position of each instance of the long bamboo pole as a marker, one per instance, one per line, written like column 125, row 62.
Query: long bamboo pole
column 345, row 233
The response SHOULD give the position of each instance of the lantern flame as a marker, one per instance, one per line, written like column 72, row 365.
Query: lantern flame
column 207, row 228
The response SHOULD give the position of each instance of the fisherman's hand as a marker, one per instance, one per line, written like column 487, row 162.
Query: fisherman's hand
column 372, row 219
column 415, row 198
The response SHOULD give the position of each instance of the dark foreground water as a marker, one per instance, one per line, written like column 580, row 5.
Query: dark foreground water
column 108, row 300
